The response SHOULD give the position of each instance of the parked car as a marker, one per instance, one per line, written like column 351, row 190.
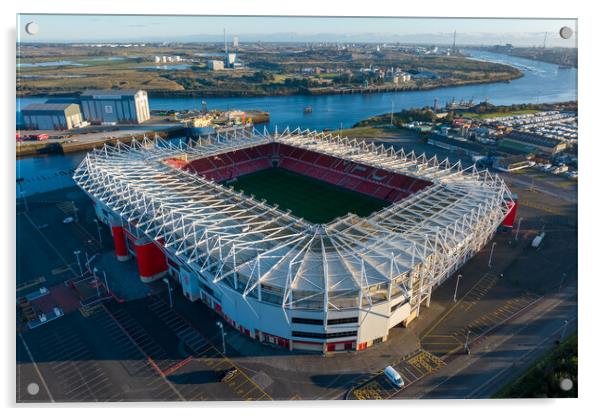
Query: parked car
column 229, row 374
column 394, row 377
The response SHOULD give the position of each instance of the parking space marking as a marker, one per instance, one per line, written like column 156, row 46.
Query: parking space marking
column 371, row 391
column 58, row 254
column 31, row 283
column 412, row 367
column 70, row 362
column 140, row 348
column 487, row 279
column 35, row 367
column 541, row 207
column 205, row 352
column 477, row 327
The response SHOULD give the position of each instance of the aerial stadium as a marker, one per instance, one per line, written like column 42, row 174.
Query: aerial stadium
column 302, row 239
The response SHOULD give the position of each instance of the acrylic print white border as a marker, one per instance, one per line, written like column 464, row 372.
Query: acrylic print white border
column 589, row 35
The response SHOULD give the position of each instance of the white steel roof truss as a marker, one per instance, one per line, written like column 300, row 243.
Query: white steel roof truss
column 212, row 226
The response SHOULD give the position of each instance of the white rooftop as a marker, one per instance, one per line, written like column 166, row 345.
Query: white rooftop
column 244, row 242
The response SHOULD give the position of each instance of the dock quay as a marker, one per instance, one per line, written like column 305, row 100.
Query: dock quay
column 69, row 141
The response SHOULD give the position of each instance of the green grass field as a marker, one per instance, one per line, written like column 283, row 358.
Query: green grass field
column 308, row 198
column 494, row 115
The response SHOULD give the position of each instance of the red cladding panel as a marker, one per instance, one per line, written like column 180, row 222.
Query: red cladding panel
column 119, row 241
column 511, row 216
column 151, row 260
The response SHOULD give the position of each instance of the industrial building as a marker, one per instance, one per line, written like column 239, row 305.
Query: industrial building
column 463, row 146
column 533, row 143
column 52, row 116
column 512, row 163
column 230, row 59
column 215, row 65
column 115, row 106
column 273, row 275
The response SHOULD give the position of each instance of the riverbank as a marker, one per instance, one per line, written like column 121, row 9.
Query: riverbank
column 542, row 83
column 476, row 112
column 90, row 141
column 563, row 57
column 286, row 92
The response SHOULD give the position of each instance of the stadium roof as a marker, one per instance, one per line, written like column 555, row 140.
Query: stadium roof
column 235, row 238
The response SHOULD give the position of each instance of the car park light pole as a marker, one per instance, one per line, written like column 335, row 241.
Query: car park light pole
column 24, row 196
column 96, row 280
column 79, row 263
column 75, row 211
column 106, row 282
column 98, row 229
column 166, row 281
column 491, row 254
column 566, row 323
column 561, row 281
column 22, row 192
column 518, row 228
column 456, row 291
column 221, row 327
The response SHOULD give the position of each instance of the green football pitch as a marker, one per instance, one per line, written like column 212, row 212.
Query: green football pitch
column 315, row 201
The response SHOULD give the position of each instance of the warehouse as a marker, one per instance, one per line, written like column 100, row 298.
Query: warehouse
column 512, row 163
column 52, row 116
column 461, row 146
column 115, row 106
column 541, row 144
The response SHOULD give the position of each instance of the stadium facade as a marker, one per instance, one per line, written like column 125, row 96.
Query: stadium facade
column 274, row 276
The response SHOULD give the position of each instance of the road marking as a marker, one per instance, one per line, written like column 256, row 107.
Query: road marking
column 31, row 283
column 171, row 386
column 379, row 387
column 60, row 270
column 450, row 310
column 541, row 207
column 37, row 369
column 177, row 366
column 213, row 363
column 51, row 245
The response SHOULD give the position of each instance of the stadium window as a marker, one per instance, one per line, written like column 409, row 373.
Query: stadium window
column 324, row 336
column 340, row 321
column 377, row 341
column 308, row 321
column 206, row 289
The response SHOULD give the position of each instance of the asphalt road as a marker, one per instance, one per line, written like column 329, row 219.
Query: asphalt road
column 141, row 350
column 504, row 356
column 512, row 320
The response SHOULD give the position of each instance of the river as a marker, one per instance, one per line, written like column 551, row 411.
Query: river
column 541, row 83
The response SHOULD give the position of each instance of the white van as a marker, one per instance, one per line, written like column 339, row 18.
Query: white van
column 394, row 376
